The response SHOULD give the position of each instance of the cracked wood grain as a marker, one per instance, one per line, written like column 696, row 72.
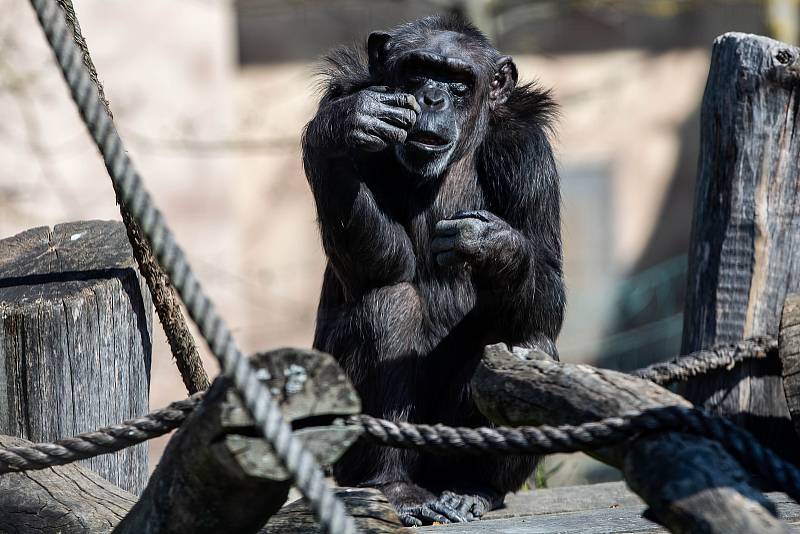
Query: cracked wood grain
column 789, row 352
column 75, row 345
column 744, row 255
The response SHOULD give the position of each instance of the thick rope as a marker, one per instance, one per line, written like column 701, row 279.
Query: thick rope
column 101, row 441
column 740, row 443
column 702, row 362
column 165, row 301
column 538, row 440
column 307, row 476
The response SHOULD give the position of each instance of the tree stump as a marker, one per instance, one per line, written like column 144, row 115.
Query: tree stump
column 744, row 256
column 75, row 339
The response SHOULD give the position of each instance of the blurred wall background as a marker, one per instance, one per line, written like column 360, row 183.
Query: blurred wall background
column 212, row 95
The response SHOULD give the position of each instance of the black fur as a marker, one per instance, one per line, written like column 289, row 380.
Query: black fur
column 407, row 330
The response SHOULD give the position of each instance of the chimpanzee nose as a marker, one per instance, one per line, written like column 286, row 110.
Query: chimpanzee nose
column 433, row 98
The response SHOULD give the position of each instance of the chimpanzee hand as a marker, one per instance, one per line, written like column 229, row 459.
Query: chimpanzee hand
column 479, row 237
column 377, row 118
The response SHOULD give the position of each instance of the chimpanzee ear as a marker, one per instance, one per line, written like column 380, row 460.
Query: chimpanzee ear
column 504, row 81
column 377, row 45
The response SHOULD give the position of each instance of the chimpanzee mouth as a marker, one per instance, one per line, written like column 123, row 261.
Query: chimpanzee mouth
column 428, row 141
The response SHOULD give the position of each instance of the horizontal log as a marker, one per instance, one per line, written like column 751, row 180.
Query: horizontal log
column 68, row 499
column 690, row 483
column 372, row 512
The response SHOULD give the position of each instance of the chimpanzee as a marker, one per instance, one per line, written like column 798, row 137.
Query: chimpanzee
column 439, row 209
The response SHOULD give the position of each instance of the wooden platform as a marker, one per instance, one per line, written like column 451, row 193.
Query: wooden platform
column 595, row 509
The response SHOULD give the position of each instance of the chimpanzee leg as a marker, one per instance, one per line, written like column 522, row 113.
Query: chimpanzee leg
column 379, row 342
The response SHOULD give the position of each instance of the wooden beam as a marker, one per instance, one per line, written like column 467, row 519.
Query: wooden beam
column 68, row 499
column 690, row 483
column 745, row 245
column 217, row 476
column 75, row 339
column 373, row 514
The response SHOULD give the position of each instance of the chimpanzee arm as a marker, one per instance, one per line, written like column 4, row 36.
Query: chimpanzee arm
column 515, row 245
column 367, row 248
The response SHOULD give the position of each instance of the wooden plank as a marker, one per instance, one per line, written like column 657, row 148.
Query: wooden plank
column 605, row 508
column 372, row 512
column 567, row 499
column 690, row 483
column 789, row 351
column 68, row 499
column 75, row 339
column 744, row 255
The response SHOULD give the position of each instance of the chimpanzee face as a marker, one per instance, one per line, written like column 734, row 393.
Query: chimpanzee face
column 456, row 87
column 445, row 96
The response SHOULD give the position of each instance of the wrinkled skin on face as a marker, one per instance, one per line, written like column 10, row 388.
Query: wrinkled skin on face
column 438, row 204
column 453, row 87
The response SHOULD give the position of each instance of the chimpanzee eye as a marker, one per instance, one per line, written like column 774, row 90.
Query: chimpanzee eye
column 459, row 89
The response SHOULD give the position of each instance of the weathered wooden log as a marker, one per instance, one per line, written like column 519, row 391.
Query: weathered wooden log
column 789, row 352
column 68, row 499
column 217, row 476
column 745, row 239
column 75, row 339
column 372, row 512
column 690, row 483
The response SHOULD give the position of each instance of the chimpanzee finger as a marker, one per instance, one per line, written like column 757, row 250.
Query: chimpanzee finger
column 387, row 132
column 444, row 244
column 467, row 227
column 403, row 100
column 366, row 141
column 457, row 503
column 448, row 511
column 450, row 258
column 400, row 117
column 425, row 513
column 409, row 520
column 464, row 507
column 481, row 215
column 379, row 88
column 447, row 227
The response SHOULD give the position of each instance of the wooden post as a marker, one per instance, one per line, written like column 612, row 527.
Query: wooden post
column 65, row 499
column 75, row 339
column 745, row 249
column 218, row 476
column 789, row 352
column 690, row 483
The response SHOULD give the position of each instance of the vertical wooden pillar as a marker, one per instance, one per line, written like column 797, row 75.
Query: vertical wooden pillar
column 745, row 250
column 75, row 339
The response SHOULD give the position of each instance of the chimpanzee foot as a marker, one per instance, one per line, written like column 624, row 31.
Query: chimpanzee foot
column 430, row 512
column 468, row 506
column 449, row 507
column 424, row 514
